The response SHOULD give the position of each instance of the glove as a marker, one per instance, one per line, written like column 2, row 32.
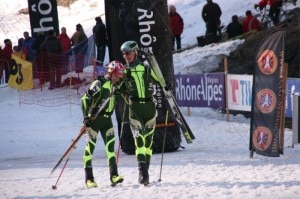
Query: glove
column 87, row 121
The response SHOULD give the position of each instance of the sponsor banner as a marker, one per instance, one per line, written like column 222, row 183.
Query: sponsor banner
column 293, row 88
column 239, row 91
column 200, row 90
column 43, row 16
column 20, row 74
column 268, row 88
column 147, row 23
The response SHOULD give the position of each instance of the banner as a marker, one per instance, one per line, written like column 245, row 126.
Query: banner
column 268, row 95
column 239, row 90
column 293, row 88
column 147, row 23
column 43, row 16
column 20, row 74
column 200, row 90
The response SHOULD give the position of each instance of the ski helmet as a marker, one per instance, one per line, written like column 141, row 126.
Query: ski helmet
column 116, row 68
column 130, row 46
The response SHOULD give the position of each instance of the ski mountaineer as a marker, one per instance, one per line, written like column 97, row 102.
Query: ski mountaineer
column 99, row 91
column 138, row 82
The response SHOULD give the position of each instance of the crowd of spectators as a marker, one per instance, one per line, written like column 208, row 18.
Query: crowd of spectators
column 50, row 52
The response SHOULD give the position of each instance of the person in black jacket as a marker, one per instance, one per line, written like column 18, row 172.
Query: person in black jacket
column 100, row 38
column 211, row 14
column 52, row 50
column 234, row 28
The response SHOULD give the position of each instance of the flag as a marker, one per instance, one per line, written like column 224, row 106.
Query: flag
column 20, row 74
column 43, row 16
column 147, row 23
column 268, row 96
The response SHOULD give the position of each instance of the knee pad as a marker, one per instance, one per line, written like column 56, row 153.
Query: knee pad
column 135, row 126
column 151, row 123
column 110, row 132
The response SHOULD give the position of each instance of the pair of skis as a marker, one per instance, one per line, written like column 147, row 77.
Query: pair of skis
column 182, row 124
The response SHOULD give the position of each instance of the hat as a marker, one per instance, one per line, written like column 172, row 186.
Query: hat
column 78, row 26
column 98, row 19
column 51, row 32
column 6, row 41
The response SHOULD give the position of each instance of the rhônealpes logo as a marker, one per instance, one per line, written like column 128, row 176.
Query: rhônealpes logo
column 267, row 62
column 266, row 100
column 262, row 138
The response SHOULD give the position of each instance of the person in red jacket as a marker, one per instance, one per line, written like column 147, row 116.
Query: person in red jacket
column 250, row 22
column 275, row 6
column 6, row 55
column 65, row 40
column 176, row 23
column 66, row 46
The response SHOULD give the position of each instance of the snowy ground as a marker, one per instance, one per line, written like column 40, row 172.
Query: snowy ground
column 215, row 165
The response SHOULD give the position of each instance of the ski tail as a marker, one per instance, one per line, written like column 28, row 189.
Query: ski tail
column 183, row 126
column 189, row 131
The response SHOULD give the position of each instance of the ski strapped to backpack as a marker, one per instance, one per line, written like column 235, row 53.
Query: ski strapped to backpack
column 183, row 126
column 82, row 131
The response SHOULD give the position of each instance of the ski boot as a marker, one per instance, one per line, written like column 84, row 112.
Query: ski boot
column 143, row 173
column 89, row 178
column 115, row 178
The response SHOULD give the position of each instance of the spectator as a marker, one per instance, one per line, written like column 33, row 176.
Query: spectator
column 42, row 72
column 234, row 28
column 66, row 46
column 100, row 39
column 211, row 14
column 27, row 47
column 52, row 48
column 6, row 55
column 177, row 24
column 18, row 49
column 80, row 43
column 250, row 22
column 65, row 40
column 275, row 6
column 2, row 62
column 101, row 90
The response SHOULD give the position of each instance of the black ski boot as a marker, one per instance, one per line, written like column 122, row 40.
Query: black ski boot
column 115, row 178
column 143, row 173
column 89, row 178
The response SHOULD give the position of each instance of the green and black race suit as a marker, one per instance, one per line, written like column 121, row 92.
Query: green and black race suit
column 98, row 92
column 138, row 81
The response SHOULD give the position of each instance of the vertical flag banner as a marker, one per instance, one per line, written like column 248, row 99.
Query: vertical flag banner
column 20, row 74
column 268, row 95
column 148, row 23
column 43, row 16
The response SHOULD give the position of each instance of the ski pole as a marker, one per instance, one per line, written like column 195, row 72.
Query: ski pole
column 163, row 146
column 55, row 186
column 119, row 146
column 120, row 136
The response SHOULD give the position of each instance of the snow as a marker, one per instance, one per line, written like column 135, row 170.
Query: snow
column 215, row 165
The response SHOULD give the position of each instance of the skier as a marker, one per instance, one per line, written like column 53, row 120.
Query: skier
column 100, row 90
column 142, row 111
